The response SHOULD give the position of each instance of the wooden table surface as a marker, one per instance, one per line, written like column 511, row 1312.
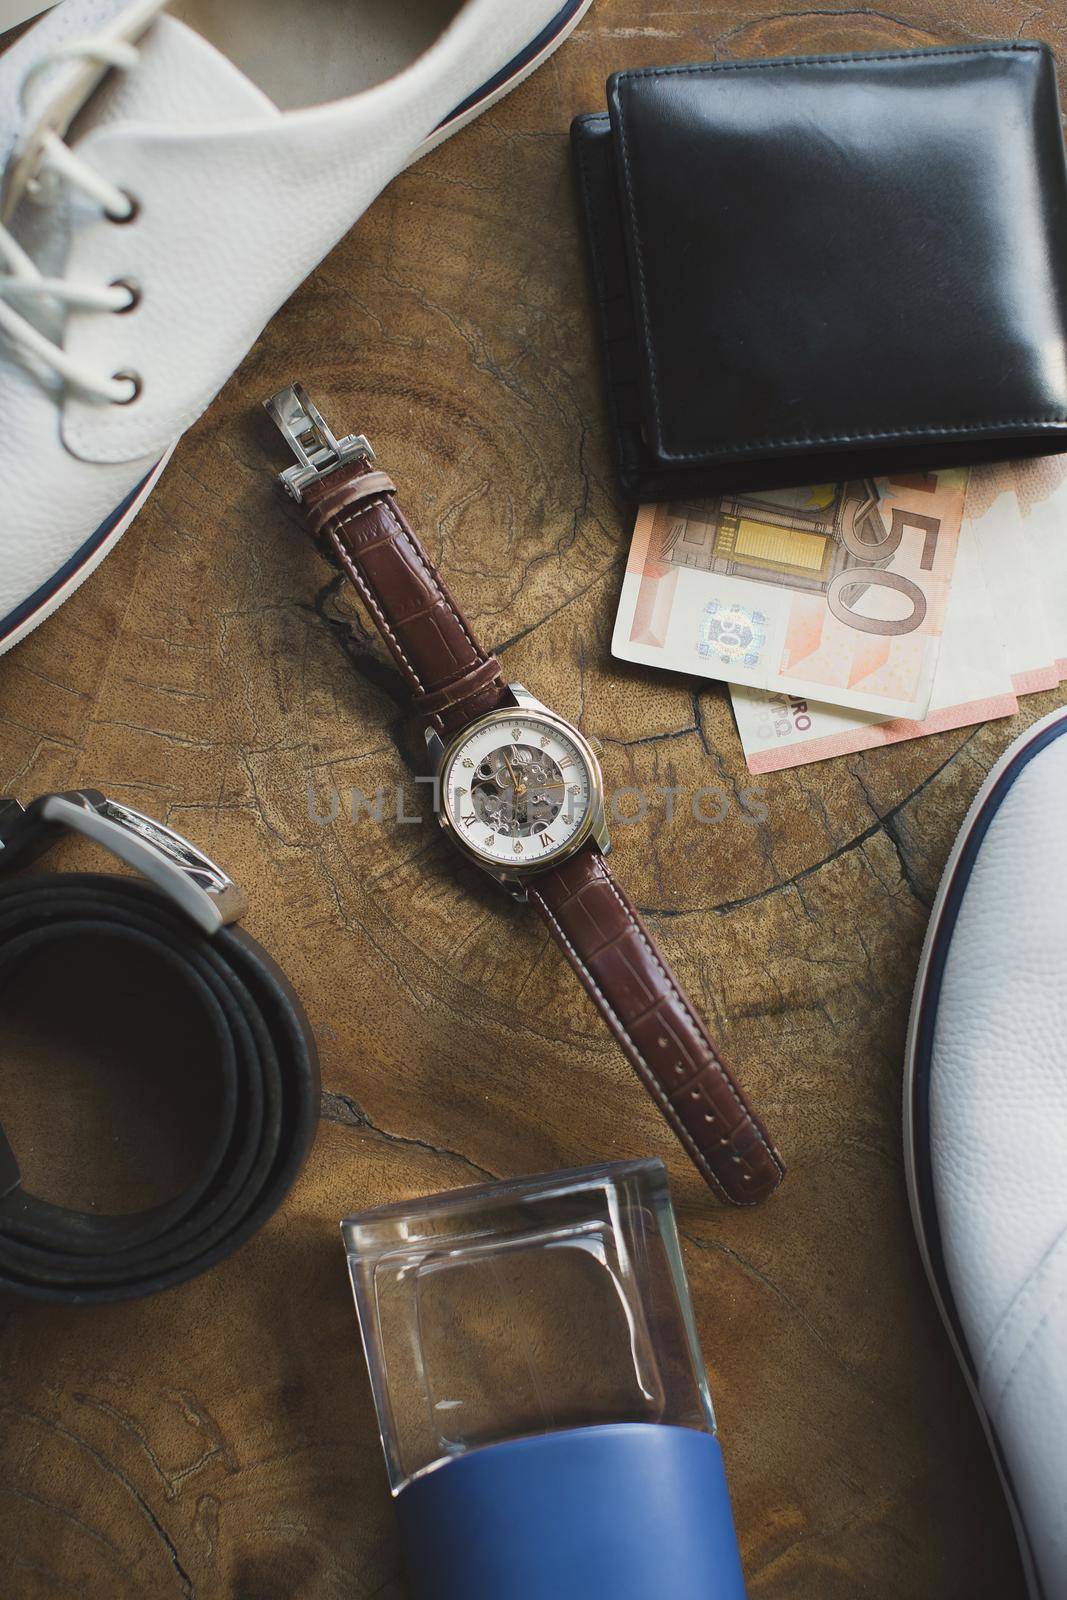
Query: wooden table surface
column 219, row 1439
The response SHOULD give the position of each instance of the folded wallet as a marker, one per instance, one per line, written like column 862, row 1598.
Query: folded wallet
column 824, row 266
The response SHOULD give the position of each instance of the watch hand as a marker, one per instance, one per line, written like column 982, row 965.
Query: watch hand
column 519, row 788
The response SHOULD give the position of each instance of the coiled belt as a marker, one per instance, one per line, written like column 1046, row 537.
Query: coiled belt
column 266, row 1062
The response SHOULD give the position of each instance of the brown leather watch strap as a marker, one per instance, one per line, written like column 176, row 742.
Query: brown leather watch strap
column 354, row 511
column 598, row 929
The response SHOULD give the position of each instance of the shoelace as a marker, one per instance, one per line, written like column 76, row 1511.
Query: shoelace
column 21, row 280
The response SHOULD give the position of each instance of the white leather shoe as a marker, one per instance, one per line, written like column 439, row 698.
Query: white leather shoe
column 985, row 1121
column 171, row 174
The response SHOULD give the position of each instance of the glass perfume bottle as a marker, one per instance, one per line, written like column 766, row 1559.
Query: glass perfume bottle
column 541, row 1395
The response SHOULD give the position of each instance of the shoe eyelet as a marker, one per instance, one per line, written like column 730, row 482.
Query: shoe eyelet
column 122, row 220
column 138, row 386
column 133, row 289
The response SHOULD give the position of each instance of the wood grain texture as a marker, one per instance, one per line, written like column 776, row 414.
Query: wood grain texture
column 219, row 1440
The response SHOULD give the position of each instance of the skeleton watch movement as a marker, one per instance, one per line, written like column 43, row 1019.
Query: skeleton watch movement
column 522, row 796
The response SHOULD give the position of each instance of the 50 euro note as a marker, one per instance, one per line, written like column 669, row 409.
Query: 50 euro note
column 1005, row 627
column 972, row 684
column 834, row 592
column 1040, row 491
column 1001, row 513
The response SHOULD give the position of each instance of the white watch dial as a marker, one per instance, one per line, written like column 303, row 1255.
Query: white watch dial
column 517, row 790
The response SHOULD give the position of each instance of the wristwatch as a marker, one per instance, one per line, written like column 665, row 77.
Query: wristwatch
column 521, row 794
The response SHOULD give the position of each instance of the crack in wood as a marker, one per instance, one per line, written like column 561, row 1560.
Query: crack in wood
column 343, row 1109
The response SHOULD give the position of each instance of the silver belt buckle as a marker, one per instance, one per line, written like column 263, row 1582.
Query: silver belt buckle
column 196, row 885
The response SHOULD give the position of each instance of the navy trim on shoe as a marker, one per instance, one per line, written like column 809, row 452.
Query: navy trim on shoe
column 928, row 1015
column 84, row 553
column 516, row 64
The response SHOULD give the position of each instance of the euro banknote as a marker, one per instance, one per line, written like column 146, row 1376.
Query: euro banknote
column 1041, row 491
column 972, row 684
column 834, row 593
column 1005, row 628
column 997, row 515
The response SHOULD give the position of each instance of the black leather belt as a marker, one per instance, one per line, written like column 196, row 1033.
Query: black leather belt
column 266, row 1057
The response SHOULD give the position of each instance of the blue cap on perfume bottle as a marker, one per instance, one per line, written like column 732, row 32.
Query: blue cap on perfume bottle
column 637, row 1511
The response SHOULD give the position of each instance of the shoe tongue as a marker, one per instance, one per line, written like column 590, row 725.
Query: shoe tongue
column 179, row 79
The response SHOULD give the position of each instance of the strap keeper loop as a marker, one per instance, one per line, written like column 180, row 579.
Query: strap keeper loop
column 342, row 496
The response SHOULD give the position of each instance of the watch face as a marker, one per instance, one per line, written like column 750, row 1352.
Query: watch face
column 519, row 788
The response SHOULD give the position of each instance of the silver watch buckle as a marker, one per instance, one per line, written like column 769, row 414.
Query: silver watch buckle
column 308, row 435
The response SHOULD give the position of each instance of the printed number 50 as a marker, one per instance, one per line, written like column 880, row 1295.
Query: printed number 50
column 849, row 586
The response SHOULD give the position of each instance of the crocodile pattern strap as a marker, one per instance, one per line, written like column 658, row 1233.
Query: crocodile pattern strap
column 597, row 927
column 353, row 512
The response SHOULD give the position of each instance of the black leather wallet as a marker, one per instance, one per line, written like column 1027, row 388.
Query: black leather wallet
column 820, row 266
